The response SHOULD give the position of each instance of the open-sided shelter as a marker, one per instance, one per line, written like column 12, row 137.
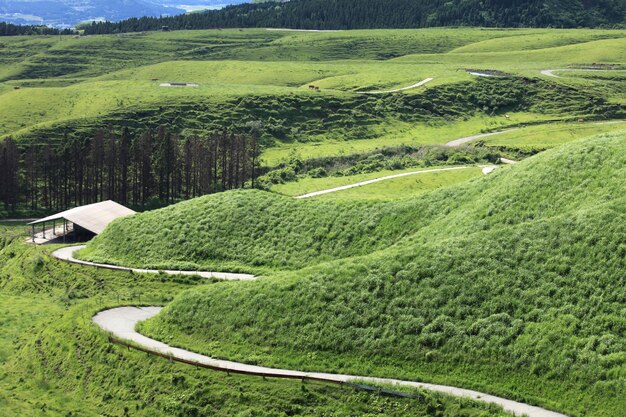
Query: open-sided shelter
column 91, row 219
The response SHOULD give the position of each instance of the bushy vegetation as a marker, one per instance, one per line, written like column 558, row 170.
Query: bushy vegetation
column 512, row 283
column 296, row 168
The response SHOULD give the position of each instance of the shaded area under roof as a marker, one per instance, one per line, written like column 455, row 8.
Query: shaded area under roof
column 93, row 217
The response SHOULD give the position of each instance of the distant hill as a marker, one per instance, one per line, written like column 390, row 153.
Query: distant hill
column 67, row 13
column 367, row 14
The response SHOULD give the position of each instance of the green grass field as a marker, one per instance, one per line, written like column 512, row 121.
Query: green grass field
column 392, row 189
column 261, row 76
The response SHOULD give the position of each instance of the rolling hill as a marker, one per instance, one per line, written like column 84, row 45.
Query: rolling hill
column 512, row 283
column 69, row 13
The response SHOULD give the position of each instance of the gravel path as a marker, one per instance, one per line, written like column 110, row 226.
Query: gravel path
column 461, row 141
column 121, row 323
column 452, row 144
column 388, row 177
column 66, row 254
column 550, row 72
column 421, row 83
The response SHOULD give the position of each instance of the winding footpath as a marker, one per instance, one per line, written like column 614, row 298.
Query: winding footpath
column 67, row 254
column 388, row 177
column 486, row 169
column 421, row 83
column 462, row 141
column 551, row 72
column 122, row 321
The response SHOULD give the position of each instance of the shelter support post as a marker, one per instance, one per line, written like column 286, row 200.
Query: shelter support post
column 33, row 233
column 54, row 227
column 64, row 229
column 43, row 229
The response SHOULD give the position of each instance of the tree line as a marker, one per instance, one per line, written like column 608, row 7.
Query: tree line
column 368, row 14
column 9, row 29
column 153, row 168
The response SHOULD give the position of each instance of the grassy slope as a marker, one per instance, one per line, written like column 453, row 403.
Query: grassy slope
column 498, row 287
column 55, row 362
column 251, row 230
column 548, row 136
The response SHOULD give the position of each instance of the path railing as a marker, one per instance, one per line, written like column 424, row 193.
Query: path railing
column 363, row 387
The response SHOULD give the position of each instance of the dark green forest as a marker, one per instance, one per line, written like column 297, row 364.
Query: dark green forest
column 369, row 14
column 8, row 29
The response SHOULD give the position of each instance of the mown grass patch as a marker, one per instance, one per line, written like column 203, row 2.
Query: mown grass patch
column 391, row 189
column 550, row 135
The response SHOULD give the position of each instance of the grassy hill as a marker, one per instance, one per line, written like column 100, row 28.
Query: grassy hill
column 252, row 229
column 511, row 283
column 55, row 362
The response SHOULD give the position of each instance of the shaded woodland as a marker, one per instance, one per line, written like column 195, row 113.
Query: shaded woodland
column 150, row 169
column 9, row 29
column 389, row 14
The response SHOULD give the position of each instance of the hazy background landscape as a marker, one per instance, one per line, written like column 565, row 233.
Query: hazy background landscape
column 68, row 13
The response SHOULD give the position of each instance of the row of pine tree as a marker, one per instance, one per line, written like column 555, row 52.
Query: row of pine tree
column 149, row 169
column 369, row 14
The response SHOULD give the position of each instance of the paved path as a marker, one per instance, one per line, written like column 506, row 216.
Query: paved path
column 457, row 142
column 66, row 254
column 121, row 323
column 388, row 177
column 482, row 74
column 421, row 83
column 461, row 141
column 551, row 72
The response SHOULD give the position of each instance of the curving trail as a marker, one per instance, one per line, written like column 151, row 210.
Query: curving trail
column 551, row 72
column 461, row 141
column 121, row 323
column 388, row 177
column 421, row 83
column 67, row 254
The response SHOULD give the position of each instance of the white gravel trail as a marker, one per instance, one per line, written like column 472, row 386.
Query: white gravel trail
column 421, row 83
